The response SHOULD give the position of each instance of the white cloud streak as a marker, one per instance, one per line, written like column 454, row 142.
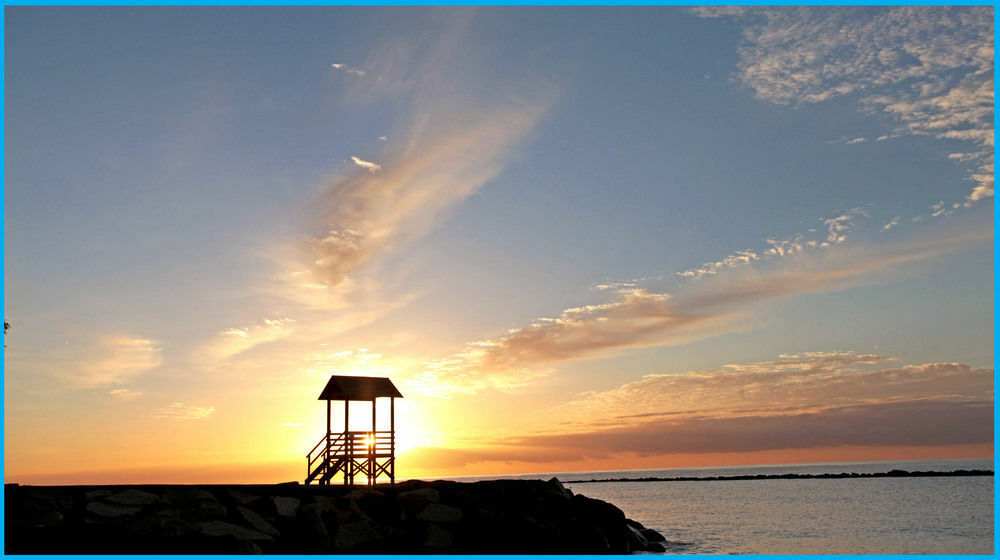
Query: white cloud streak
column 739, row 258
column 891, row 224
column 234, row 341
column 116, row 360
column 181, row 411
column 347, row 68
column 366, row 165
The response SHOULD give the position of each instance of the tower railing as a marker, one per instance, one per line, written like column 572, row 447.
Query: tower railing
column 353, row 453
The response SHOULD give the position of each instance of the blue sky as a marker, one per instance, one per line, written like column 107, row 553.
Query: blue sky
column 210, row 210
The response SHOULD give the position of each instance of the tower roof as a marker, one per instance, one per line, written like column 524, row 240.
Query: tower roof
column 357, row 388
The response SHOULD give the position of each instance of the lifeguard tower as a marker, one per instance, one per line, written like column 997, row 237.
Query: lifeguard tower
column 366, row 454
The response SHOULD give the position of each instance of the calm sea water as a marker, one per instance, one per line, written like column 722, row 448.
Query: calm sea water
column 952, row 515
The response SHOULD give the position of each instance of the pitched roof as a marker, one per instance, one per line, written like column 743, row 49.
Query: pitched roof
column 356, row 388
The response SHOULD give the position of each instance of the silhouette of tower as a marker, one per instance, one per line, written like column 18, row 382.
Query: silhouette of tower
column 367, row 454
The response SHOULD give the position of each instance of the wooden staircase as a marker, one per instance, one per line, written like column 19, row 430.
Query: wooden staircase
column 352, row 454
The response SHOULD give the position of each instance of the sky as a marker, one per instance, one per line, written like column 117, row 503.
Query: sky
column 575, row 239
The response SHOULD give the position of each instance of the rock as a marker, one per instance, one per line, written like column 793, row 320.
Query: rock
column 225, row 529
column 356, row 510
column 163, row 527
column 353, row 535
column 102, row 509
column 426, row 494
column 558, row 488
column 248, row 547
column 58, row 501
column 604, row 517
column 133, row 497
column 31, row 514
column 312, row 520
column 488, row 517
column 286, row 506
column 436, row 537
column 326, row 503
column 257, row 522
column 363, row 494
column 440, row 513
column 635, row 539
column 317, row 540
column 187, row 496
column 652, row 536
column 95, row 494
column 205, row 511
column 241, row 497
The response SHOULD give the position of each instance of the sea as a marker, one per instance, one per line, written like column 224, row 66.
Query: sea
column 920, row 515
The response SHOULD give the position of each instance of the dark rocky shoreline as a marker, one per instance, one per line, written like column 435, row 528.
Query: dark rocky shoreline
column 895, row 473
column 413, row 517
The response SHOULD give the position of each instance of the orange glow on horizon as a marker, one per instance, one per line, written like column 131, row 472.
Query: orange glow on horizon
column 406, row 468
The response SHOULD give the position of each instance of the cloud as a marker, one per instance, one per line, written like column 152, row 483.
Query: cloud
column 117, row 359
column 348, row 69
column 837, row 227
column 797, row 383
column 807, row 400
column 928, row 68
column 233, row 341
column 738, row 258
column 638, row 317
column 125, row 394
column 366, row 165
column 813, row 399
column 892, row 223
column 181, row 411
column 368, row 216
column 887, row 424
column 846, row 140
column 450, row 139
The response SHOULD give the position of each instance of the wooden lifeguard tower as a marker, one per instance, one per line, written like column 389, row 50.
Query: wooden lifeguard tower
column 367, row 454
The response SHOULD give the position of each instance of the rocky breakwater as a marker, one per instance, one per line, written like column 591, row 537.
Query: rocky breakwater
column 442, row 517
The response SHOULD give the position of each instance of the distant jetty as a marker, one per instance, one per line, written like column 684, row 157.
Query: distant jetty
column 413, row 517
column 895, row 473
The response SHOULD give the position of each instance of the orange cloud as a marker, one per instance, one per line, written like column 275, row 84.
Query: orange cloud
column 639, row 317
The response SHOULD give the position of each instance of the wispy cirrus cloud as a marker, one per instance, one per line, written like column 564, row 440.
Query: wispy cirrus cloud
column 445, row 142
column 233, row 341
column 125, row 394
column 449, row 141
column 928, row 68
column 115, row 360
column 906, row 423
column 366, row 165
column 182, row 411
column 738, row 258
column 891, row 223
column 793, row 384
column 806, row 400
column 347, row 68
column 367, row 216
column 639, row 317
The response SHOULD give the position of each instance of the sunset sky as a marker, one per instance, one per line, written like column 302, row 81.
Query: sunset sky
column 574, row 238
